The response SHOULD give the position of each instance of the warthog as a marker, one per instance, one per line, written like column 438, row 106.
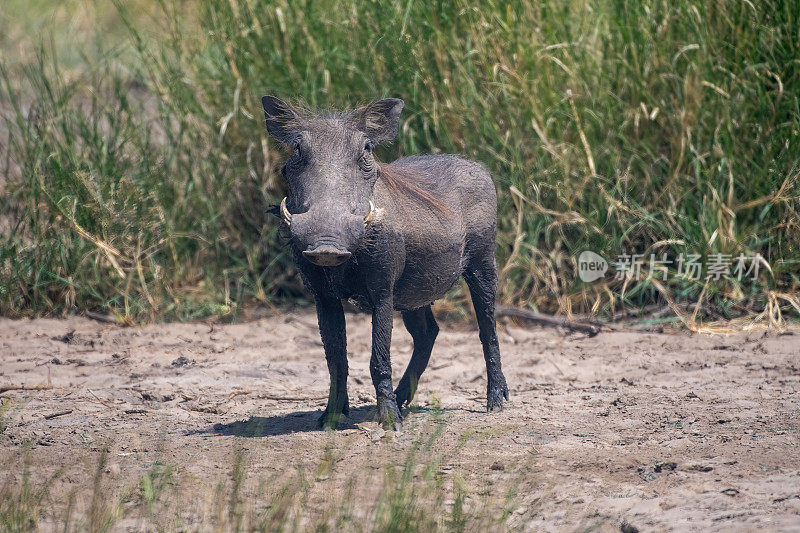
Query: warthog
column 388, row 237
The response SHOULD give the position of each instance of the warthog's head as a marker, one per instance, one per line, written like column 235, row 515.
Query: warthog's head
column 330, row 173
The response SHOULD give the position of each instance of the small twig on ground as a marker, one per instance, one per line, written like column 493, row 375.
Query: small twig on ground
column 290, row 398
column 55, row 415
column 6, row 388
column 555, row 365
column 648, row 311
column 636, row 312
column 100, row 400
column 238, row 393
column 108, row 319
column 661, row 313
column 547, row 320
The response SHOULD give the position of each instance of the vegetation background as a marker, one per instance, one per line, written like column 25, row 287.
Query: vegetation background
column 137, row 174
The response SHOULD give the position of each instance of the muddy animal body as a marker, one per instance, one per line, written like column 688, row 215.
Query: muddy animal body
column 389, row 237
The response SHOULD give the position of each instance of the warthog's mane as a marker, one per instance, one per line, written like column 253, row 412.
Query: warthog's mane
column 402, row 184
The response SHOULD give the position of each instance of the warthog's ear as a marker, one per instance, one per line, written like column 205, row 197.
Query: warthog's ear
column 380, row 120
column 282, row 120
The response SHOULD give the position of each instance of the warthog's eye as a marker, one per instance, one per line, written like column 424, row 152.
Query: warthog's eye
column 296, row 144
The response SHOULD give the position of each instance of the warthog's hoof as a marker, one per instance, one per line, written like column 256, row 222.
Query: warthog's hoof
column 404, row 393
column 495, row 393
column 330, row 419
column 389, row 415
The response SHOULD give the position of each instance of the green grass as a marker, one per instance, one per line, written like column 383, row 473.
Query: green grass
column 402, row 491
column 138, row 180
column 23, row 502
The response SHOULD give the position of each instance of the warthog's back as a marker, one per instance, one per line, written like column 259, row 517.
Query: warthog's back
column 444, row 208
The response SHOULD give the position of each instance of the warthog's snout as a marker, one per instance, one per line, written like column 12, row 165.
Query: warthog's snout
column 327, row 255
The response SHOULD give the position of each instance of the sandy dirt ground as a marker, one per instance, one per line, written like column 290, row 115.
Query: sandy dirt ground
column 631, row 430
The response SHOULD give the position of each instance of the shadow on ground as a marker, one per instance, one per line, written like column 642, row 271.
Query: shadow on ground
column 270, row 426
column 303, row 421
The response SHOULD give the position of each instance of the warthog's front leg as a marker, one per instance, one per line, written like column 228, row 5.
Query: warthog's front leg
column 380, row 366
column 334, row 338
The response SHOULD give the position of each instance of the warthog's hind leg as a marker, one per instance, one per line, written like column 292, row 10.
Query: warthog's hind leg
column 481, row 277
column 423, row 328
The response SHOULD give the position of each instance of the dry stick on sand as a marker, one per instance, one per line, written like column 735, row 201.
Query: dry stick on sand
column 99, row 400
column 547, row 320
column 99, row 317
column 6, row 388
column 280, row 397
column 56, row 415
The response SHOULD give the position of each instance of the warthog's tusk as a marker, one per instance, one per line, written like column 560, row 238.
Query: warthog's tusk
column 368, row 218
column 287, row 216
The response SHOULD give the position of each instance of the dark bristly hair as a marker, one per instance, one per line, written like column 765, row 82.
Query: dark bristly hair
column 401, row 184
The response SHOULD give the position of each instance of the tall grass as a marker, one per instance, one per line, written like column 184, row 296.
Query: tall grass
column 141, row 186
